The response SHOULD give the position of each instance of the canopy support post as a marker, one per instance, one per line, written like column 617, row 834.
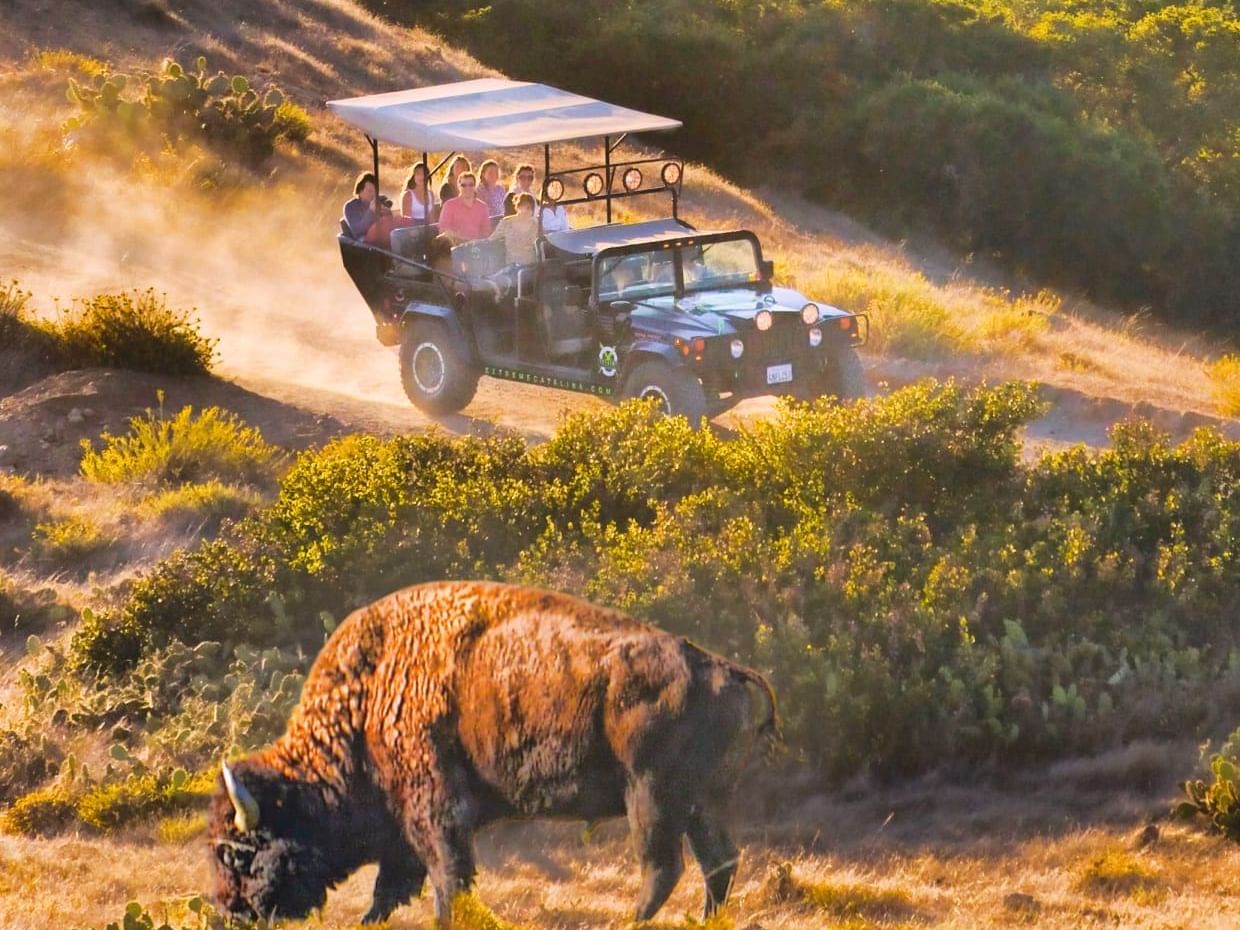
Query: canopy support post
column 607, row 150
column 546, row 178
column 443, row 161
column 426, row 207
column 374, row 152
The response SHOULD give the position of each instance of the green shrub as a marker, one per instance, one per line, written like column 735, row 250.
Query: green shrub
column 14, row 324
column 134, row 330
column 918, row 591
column 108, row 807
column 181, row 829
column 227, row 113
column 1219, row 799
column 212, row 446
column 1092, row 144
column 1225, row 380
column 207, row 503
column 63, row 60
column 44, row 812
column 1119, row 872
column 293, row 122
column 69, row 540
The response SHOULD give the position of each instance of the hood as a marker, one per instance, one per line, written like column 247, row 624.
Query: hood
column 717, row 312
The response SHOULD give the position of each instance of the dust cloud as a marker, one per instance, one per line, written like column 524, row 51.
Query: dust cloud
column 261, row 268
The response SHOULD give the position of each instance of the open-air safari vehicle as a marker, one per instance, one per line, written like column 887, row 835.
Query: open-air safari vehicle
column 653, row 309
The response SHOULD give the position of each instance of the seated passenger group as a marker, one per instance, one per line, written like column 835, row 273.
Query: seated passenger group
column 464, row 208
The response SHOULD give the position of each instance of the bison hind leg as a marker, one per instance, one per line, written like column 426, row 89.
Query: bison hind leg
column 657, row 826
column 715, row 853
column 399, row 881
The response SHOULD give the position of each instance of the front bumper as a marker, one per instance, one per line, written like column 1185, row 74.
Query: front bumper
column 782, row 361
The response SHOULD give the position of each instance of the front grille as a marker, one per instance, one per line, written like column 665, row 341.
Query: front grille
column 779, row 343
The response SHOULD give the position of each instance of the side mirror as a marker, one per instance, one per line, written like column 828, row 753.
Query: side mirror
column 768, row 269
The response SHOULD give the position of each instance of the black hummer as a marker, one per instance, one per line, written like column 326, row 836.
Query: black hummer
column 652, row 309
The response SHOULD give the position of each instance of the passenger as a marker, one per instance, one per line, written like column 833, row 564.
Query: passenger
column 489, row 190
column 519, row 232
column 554, row 218
column 465, row 217
column 369, row 216
column 448, row 189
column 419, row 202
column 522, row 183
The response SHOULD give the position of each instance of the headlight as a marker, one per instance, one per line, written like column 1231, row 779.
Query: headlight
column 815, row 337
column 764, row 320
column 632, row 179
column 593, row 184
column 555, row 189
column 809, row 313
column 738, row 348
column 671, row 174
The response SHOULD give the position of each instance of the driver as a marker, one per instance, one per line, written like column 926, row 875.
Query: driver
column 626, row 273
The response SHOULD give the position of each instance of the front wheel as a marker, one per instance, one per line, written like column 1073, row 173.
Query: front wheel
column 435, row 370
column 845, row 377
column 675, row 389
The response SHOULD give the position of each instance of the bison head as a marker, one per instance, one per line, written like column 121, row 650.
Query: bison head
column 267, row 854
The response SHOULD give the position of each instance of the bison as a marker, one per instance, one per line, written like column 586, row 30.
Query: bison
column 445, row 706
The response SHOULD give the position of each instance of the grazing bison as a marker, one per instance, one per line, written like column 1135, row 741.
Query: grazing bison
column 446, row 706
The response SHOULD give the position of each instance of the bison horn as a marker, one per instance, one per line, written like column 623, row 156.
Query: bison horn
column 242, row 801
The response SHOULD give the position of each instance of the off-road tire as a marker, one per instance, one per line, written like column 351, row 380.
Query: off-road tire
column 845, row 376
column 435, row 370
column 676, row 389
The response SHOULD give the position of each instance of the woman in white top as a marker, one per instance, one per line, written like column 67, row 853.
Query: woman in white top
column 554, row 218
column 419, row 200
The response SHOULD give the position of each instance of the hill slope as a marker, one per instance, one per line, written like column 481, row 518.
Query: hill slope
column 261, row 266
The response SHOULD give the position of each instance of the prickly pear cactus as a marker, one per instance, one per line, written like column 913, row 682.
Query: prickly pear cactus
column 1218, row 800
column 228, row 113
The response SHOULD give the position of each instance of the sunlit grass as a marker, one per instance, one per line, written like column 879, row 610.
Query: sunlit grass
column 1117, row 872
column 1225, row 382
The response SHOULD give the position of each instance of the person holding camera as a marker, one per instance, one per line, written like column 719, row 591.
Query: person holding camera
column 369, row 214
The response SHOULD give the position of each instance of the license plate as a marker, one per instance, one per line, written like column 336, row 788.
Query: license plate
column 779, row 374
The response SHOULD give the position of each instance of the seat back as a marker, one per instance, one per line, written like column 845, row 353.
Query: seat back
column 479, row 258
column 565, row 328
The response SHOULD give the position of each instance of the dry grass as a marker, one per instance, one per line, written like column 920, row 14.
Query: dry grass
column 844, row 873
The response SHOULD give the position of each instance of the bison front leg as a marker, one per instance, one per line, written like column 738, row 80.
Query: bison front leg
column 657, row 830
column 400, row 879
column 715, row 853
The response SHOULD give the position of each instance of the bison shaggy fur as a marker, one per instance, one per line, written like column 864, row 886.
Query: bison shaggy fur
column 445, row 706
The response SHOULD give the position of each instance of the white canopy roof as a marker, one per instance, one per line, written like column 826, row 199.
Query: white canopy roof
column 489, row 113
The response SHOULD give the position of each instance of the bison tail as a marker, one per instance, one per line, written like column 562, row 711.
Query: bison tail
column 771, row 729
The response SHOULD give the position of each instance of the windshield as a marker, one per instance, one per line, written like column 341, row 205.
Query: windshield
column 653, row 272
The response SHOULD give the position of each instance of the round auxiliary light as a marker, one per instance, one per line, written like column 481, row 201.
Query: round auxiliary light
column 764, row 320
column 593, row 184
column 632, row 179
column 555, row 189
column 671, row 174
column 810, row 314
column 815, row 337
column 738, row 348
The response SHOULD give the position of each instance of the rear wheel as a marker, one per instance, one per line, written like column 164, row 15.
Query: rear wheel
column 435, row 370
column 675, row 390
